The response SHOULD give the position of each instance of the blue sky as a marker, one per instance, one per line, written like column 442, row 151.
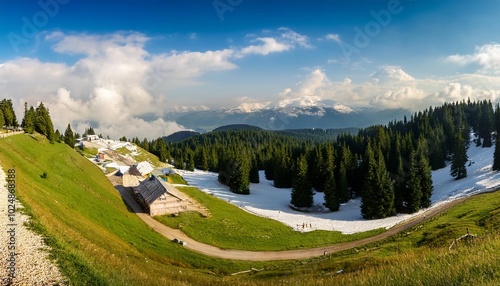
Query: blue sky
column 147, row 58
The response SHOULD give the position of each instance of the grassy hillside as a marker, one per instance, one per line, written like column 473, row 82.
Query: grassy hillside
column 243, row 230
column 97, row 241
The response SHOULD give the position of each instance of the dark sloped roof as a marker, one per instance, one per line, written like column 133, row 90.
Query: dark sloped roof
column 151, row 189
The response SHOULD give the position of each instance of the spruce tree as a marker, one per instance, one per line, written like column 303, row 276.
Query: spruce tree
column 400, row 182
column 302, row 194
column 424, row 172
column 9, row 116
column 238, row 175
column 459, row 158
column 344, row 194
column 2, row 119
column 69, row 138
column 332, row 201
column 28, row 123
column 43, row 123
column 496, row 155
column 254, row 172
column 414, row 192
column 377, row 199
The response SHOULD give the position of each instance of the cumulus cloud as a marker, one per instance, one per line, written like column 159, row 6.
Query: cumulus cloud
column 486, row 56
column 268, row 45
column 117, row 84
column 388, row 87
column 286, row 39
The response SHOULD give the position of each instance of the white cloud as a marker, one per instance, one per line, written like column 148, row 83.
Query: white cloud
column 390, row 74
column 293, row 38
column 286, row 39
column 389, row 87
column 116, row 83
column 269, row 45
column 332, row 37
column 486, row 56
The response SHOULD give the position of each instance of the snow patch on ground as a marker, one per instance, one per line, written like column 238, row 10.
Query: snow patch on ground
column 266, row 201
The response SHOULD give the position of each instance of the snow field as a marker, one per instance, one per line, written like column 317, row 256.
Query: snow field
column 266, row 201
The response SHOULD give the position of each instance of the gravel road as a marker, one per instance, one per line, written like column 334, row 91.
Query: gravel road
column 30, row 264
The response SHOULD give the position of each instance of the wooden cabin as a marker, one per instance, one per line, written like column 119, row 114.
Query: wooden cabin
column 159, row 198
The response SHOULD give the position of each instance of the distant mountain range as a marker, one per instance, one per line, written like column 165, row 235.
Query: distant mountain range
column 287, row 117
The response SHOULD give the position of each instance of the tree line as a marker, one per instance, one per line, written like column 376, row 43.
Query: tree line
column 387, row 166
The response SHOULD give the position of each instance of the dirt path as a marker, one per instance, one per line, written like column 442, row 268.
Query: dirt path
column 213, row 251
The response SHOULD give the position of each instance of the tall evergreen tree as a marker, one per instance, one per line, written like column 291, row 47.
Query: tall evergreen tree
column 459, row 158
column 414, row 192
column 424, row 172
column 344, row 194
column 238, row 178
column 331, row 193
column 496, row 155
column 282, row 172
column 254, row 172
column 302, row 194
column 43, row 122
column 9, row 115
column 377, row 199
column 486, row 123
column 28, row 123
column 69, row 137
column 2, row 119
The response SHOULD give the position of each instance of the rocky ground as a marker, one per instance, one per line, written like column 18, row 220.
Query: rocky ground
column 31, row 265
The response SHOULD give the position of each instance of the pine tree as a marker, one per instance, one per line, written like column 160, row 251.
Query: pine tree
column 238, row 175
column 302, row 194
column 486, row 123
column 400, row 182
column 424, row 172
column 282, row 172
column 332, row 201
column 377, row 200
column 414, row 192
column 368, row 196
column 189, row 161
column 2, row 119
column 459, row 158
column 254, row 172
column 69, row 138
column 496, row 155
column 9, row 116
column 344, row 194
column 43, row 122
column 28, row 123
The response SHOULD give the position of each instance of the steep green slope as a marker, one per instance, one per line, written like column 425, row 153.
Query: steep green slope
column 96, row 239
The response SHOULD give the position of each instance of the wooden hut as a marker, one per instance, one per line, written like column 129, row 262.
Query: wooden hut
column 159, row 198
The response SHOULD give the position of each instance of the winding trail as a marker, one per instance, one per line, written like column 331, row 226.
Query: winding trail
column 246, row 255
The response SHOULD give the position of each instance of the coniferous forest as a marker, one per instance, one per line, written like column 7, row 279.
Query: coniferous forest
column 388, row 167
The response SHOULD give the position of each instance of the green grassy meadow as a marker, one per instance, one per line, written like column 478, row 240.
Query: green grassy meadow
column 243, row 230
column 96, row 240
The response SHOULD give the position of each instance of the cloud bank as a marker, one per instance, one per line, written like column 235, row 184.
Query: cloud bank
column 116, row 85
